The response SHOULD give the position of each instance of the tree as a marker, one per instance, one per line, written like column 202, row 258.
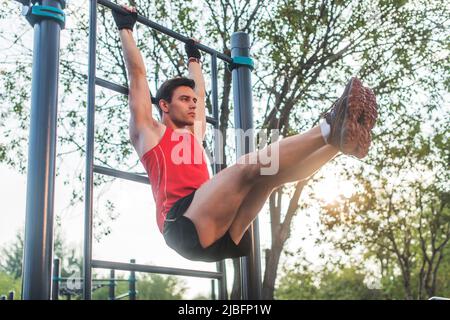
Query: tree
column 157, row 287
column 11, row 257
column 313, row 45
column 8, row 284
column 401, row 214
column 345, row 284
column 148, row 287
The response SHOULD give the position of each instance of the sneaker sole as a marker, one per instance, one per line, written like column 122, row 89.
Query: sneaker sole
column 358, row 116
column 346, row 143
column 366, row 121
column 370, row 112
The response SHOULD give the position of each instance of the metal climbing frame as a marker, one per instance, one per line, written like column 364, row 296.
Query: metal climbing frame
column 250, row 266
column 48, row 19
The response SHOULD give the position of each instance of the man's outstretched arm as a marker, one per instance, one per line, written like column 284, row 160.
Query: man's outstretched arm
column 196, row 74
column 139, row 92
column 141, row 119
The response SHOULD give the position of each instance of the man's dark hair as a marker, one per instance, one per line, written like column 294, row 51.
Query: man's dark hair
column 165, row 91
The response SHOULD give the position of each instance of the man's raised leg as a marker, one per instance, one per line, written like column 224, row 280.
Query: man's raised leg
column 216, row 203
column 306, row 168
column 258, row 194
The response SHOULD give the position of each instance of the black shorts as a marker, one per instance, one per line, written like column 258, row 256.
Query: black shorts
column 181, row 235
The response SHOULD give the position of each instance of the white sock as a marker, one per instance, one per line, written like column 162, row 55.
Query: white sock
column 325, row 129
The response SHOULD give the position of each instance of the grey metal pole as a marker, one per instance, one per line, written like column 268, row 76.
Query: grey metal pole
column 243, row 118
column 56, row 279
column 38, row 250
column 132, row 283
column 213, row 289
column 89, row 177
column 112, row 285
column 222, row 283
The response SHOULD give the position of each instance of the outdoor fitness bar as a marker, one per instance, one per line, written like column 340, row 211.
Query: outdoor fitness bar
column 47, row 19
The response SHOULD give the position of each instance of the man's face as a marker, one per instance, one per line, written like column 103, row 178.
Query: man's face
column 182, row 108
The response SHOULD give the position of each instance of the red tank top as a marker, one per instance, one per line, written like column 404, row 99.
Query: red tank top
column 176, row 166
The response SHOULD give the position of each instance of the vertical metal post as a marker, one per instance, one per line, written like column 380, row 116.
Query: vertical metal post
column 243, row 117
column 89, row 177
column 56, row 279
column 37, row 262
column 215, row 110
column 213, row 289
column 132, row 283
column 218, row 158
column 112, row 285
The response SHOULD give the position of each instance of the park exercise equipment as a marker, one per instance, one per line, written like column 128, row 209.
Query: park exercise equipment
column 47, row 18
column 70, row 286
column 10, row 296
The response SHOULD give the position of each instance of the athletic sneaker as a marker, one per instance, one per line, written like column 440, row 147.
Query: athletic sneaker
column 351, row 118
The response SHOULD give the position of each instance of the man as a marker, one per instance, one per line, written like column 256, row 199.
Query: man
column 205, row 218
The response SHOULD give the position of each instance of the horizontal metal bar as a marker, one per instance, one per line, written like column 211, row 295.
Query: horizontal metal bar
column 211, row 120
column 115, row 87
column 123, row 295
column 112, row 86
column 167, row 31
column 154, row 269
column 81, row 279
column 121, row 174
